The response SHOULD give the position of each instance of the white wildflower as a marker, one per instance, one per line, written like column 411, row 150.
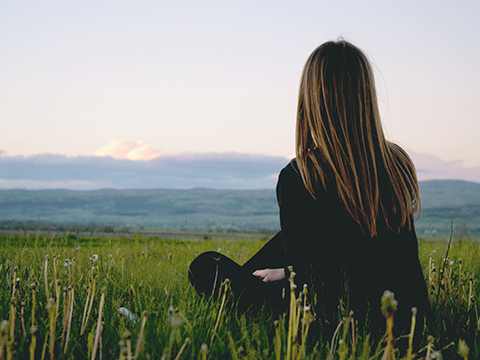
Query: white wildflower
column 94, row 257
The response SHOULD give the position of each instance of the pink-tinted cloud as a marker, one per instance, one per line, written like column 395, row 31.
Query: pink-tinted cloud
column 130, row 150
column 430, row 167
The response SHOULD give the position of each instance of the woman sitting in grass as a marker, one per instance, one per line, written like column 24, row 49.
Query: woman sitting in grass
column 347, row 203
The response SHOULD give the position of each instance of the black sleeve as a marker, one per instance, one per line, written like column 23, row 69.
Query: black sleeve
column 298, row 223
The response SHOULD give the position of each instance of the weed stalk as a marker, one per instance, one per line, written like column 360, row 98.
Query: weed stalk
column 185, row 343
column 412, row 333
column 99, row 322
column 389, row 306
column 220, row 311
column 69, row 317
column 140, row 336
column 292, row 313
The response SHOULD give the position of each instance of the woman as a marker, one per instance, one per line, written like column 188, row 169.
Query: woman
column 346, row 202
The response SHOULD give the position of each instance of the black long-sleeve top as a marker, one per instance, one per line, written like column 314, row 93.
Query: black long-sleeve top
column 341, row 265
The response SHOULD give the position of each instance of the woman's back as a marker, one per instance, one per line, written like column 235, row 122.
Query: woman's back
column 344, row 267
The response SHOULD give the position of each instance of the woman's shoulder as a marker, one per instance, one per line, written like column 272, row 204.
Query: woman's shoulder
column 290, row 181
column 290, row 175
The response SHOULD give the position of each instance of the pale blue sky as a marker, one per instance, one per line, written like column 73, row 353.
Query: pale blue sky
column 222, row 76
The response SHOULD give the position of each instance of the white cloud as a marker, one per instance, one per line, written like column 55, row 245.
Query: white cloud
column 131, row 150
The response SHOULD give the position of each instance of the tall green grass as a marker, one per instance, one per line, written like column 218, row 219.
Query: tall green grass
column 60, row 297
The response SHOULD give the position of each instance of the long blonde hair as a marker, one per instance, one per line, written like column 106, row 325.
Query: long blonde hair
column 340, row 141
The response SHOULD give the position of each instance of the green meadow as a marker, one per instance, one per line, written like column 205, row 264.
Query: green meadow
column 60, row 299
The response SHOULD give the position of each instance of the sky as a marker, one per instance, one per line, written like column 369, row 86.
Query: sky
column 152, row 81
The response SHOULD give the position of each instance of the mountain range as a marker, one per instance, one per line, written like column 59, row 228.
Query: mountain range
column 442, row 200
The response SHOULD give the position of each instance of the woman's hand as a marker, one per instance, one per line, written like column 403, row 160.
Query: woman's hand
column 269, row 275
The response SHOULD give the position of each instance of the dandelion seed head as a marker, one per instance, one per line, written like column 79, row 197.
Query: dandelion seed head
column 174, row 317
column 3, row 325
column 94, row 257
column 389, row 304
column 50, row 303
column 463, row 349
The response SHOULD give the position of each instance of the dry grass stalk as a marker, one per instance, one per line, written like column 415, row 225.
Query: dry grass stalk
column 89, row 304
column 412, row 333
column 292, row 313
column 220, row 311
column 99, row 322
column 69, row 316
column 185, row 343
column 140, row 336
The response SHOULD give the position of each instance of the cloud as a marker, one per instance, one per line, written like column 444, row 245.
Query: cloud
column 210, row 170
column 185, row 171
column 131, row 150
column 430, row 167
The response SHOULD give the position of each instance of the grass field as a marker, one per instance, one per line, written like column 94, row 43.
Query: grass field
column 60, row 297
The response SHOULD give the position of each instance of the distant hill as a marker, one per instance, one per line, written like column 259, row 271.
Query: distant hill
column 446, row 199
column 215, row 209
column 160, row 208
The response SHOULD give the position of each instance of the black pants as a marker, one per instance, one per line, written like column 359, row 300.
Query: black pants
column 210, row 269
